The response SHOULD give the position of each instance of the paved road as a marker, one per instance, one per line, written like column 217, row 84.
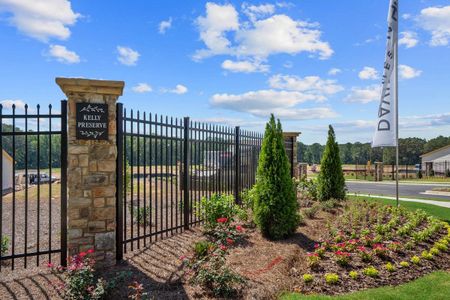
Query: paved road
column 388, row 189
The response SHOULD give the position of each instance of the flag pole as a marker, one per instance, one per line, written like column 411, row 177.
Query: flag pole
column 396, row 103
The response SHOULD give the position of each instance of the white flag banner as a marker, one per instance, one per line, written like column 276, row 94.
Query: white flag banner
column 386, row 128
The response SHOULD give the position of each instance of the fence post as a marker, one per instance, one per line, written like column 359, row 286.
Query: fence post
column 119, row 182
column 63, row 183
column 237, row 165
column 186, row 187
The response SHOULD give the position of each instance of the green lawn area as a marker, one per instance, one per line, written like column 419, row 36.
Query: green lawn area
column 440, row 212
column 432, row 286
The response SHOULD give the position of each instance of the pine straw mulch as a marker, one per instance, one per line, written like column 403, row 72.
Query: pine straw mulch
column 270, row 267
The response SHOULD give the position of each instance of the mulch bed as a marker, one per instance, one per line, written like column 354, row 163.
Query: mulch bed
column 271, row 267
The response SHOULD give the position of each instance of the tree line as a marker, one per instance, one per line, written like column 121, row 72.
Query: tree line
column 410, row 150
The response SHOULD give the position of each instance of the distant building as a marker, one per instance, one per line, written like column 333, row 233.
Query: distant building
column 437, row 160
column 7, row 172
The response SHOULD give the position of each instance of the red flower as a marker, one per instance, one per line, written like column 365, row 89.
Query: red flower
column 362, row 248
column 223, row 247
column 316, row 246
column 90, row 251
column 239, row 228
column 222, row 220
column 230, row 241
column 312, row 254
column 182, row 257
column 83, row 254
column 50, row 265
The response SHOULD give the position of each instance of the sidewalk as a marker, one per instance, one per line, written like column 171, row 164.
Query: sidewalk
column 431, row 202
column 409, row 182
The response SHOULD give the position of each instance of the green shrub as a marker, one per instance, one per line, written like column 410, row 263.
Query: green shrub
column 307, row 188
column 308, row 278
column 275, row 208
column 218, row 278
column 311, row 212
column 329, row 205
column 390, row 267
column 4, row 245
column 370, row 271
column 415, row 260
column 201, row 248
column 353, row 275
column 215, row 207
column 427, row 255
column 331, row 278
column 404, row 264
column 331, row 182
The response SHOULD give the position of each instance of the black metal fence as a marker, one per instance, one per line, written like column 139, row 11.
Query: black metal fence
column 33, row 199
column 168, row 165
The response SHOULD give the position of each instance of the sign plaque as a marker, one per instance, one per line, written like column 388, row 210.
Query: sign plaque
column 92, row 121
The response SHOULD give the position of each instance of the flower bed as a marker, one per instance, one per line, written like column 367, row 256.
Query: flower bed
column 372, row 245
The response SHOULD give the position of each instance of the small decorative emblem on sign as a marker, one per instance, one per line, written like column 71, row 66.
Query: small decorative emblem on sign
column 92, row 121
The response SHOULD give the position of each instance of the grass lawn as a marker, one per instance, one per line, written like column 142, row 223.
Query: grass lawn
column 440, row 212
column 433, row 286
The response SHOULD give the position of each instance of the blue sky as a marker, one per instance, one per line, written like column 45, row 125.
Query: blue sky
column 311, row 62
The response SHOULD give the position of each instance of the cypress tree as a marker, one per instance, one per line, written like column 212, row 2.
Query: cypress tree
column 331, row 182
column 275, row 201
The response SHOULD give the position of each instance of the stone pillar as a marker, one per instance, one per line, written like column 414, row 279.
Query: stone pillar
column 91, row 215
column 290, row 142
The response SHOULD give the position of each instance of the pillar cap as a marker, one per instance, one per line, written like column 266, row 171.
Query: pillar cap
column 81, row 85
column 291, row 134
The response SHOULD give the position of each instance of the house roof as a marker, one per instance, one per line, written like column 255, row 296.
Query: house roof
column 6, row 154
column 437, row 150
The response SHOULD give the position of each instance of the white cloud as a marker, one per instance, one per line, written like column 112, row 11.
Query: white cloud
column 127, row 56
column 179, row 89
column 260, row 39
column 334, row 71
column 142, row 88
column 254, row 12
column 368, row 73
column 408, row 38
column 406, row 16
column 245, row 66
column 310, row 85
column 63, row 55
column 41, row 19
column 8, row 103
column 436, row 20
column 364, row 95
column 218, row 20
column 407, row 72
column 262, row 103
column 165, row 25
column 281, row 34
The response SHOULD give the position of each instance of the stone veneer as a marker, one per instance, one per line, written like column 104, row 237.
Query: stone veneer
column 92, row 173
column 288, row 137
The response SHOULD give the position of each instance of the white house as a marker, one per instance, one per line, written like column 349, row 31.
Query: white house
column 437, row 160
column 7, row 182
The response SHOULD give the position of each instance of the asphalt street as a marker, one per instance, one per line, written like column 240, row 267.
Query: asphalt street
column 388, row 189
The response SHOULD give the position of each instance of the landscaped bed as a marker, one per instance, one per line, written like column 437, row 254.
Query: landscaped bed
column 357, row 246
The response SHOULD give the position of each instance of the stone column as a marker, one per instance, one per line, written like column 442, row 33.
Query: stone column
column 91, row 215
column 290, row 138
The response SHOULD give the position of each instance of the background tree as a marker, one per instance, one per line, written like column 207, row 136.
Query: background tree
column 331, row 182
column 275, row 207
